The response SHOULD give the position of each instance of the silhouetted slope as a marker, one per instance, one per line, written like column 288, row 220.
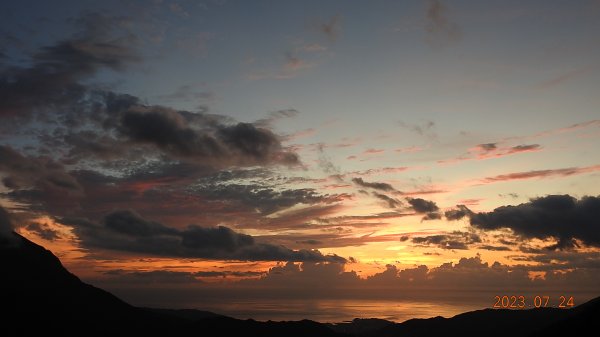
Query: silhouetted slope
column 583, row 318
column 360, row 326
column 233, row 327
column 501, row 322
column 488, row 322
column 47, row 284
column 41, row 297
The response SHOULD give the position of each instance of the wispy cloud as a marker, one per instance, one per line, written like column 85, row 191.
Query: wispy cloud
column 425, row 129
column 331, row 28
column 563, row 78
column 492, row 150
column 293, row 64
column 440, row 29
column 539, row 174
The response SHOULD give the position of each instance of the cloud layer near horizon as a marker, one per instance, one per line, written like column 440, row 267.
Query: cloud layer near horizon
column 125, row 230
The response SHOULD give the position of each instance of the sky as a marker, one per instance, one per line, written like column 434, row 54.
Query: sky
column 223, row 154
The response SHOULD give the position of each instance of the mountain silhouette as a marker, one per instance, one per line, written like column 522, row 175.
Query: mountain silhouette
column 40, row 297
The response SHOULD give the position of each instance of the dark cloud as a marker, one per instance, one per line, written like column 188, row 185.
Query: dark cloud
column 247, row 273
column 455, row 240
column 432, row 216
column 310, row 242
column 263, row 198
column 170, row 277
column 41, row 172
column 374, row 185
column 6, row 225
column 87, row 144
column 561, row 217
column 391, row 202
column 524, row 148
column 161, row 277
column 52, row 81
column 260, row 145
column 495, row 248
column 488, row 146
column 129, row 223
column 43, row 230
column 458, row 213
column 127, row 231
column 422, row 205
column 178, row 134
column 509, row 195
column 439, row 28
column 80, row 122
column 91, row 150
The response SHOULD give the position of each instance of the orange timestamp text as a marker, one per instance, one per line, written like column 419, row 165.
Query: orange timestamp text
column 525, row 302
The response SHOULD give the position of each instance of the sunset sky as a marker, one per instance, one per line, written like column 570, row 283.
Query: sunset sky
column 182, row 153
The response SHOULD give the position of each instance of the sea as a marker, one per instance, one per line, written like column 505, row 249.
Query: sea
column 333, row 310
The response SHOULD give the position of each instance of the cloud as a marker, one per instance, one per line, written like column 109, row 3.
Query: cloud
column 560, row 217
column 6, row 226
column 422, row 205
column 41, row 172
column 222, row 145
column 318, row 280
column 80, row 122
column 563, row 78
column 293, row 63
column 330, row 280
column 76, row 130
column 264, row 199
column 564, row 172
column 127, row 231
column 455, row 240
column 164, row 278
column 495, row 248
column 290, row 68
column 425, row 129
column 488, row 147
column 384, row 170
column 276, row 116
column 492, row 150
column 43, row 230
column 129, row 223
column 427, row 207
column 440, row 30
column 391, row 202
column 53, row 79
column 431, row 216
column 458, row 213
column 331, row 29
column 374, row 185
column 524, row 148
column 188, row 93
column 326, row 164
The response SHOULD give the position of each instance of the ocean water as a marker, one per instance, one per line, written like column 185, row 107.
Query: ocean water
column 329, row 310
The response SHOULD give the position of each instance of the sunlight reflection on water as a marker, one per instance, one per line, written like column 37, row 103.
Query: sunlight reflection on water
column 335, row 310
